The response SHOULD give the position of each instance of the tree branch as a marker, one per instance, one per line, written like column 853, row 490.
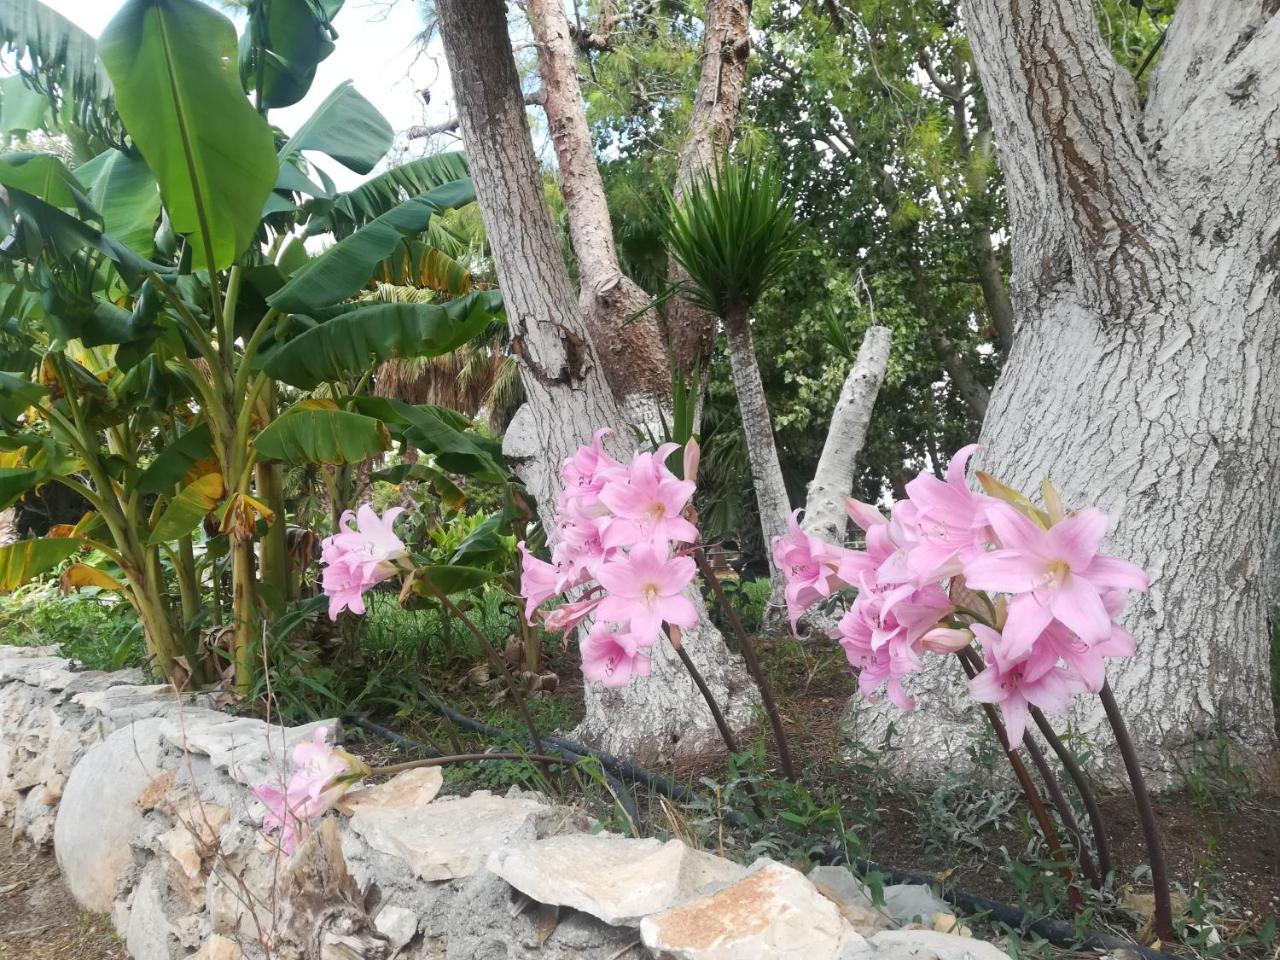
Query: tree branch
column 532, row 99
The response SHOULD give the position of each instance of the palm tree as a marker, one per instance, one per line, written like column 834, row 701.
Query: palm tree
column 734, row 232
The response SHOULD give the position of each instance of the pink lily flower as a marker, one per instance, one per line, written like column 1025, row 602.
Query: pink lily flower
column 320, row 775
column 569, row 615
column 538, row 579
column 810, row 567
column 876, row 667
column 613, row 658
column 364, row 552
column 647, row 503
column 645, row 589
column 948, row 518
column 1035, row 680
column 1054, row 573
column 586, row 472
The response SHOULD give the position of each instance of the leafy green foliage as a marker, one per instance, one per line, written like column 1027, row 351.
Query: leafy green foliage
column 343, row 213
column 346, row 127
column 318, row 432
column 98, row 630
column 342, row 270
column 122, row 189
column 734, row 233
column 213, row 156
column 27, row 559
column 284, row 42
column 351, row 342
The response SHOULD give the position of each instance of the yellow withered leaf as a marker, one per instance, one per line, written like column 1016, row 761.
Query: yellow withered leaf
column 82, row 575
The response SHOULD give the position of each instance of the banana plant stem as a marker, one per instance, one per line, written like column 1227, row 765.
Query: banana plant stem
column 1096, row 822
column 1163, row 919
column 753, row 663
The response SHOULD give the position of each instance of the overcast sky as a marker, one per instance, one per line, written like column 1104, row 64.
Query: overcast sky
column 376, row 49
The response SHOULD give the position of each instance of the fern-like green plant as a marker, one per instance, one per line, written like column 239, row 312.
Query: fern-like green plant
column 734, row 232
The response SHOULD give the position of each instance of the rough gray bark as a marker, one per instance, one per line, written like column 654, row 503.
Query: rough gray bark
column 757, row 427
column 1144, row 377
column 824, row 513
column 629, row 345
column 567, row 394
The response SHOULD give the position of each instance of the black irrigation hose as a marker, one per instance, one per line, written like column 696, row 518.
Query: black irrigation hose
column 619, row 791
column 1058, row 932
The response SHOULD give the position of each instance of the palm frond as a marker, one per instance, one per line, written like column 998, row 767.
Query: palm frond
column 734, row 232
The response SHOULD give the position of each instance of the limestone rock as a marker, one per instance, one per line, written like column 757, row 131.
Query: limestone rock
column 149, row 931
column 218, row 948
column 931, row 945
column 249, row 750
column 398, row 924
column 906, row 902
column 617, row 879
column 448, row 838
column 99, row 811
column 408, row 789
column 853, row 898
column 773, row 913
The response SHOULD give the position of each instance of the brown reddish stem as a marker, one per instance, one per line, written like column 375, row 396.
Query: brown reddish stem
column 753, row 663
column 721, row 724
column 1019, row 769
column 516, row 694
column 1163, row 919
column 1068, row 761
column 1059, row 801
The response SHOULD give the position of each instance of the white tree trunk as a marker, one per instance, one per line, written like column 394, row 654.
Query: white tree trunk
column 568, row 396
column 824, row 513
column 1145, row 372
column 757, row 427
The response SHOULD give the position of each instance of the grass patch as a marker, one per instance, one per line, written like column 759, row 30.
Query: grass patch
column 99, row 630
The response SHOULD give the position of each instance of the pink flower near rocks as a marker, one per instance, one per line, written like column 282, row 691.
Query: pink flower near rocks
column 320, row 774
column 364, row 552
column 646, row 589
column 1034, row 680
column 613, row 658
column 1054, row 573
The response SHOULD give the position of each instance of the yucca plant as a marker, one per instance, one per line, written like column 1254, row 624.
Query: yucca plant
column 734, row 232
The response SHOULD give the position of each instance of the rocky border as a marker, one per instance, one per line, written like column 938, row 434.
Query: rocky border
column 145, row 797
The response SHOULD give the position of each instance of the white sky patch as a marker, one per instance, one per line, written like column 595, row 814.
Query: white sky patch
column 377, row 49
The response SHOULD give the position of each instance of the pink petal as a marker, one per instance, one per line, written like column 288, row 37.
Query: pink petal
column 1014, row 711
column 1004, row 570
column 1027, row 621
column 1110, row 572
column 1015, row 531
column 1076, row 538
column 1077, row 604
column 679, row 610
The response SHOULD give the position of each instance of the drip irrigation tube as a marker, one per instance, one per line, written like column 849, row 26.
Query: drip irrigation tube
column 620, row 792
column 1058, row 932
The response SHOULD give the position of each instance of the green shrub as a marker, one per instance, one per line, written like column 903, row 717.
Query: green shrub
column 93, row 627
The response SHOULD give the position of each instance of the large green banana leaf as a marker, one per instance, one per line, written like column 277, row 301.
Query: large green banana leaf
column 318, row 432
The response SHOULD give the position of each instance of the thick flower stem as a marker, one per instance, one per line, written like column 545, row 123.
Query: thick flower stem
column 1019, row 770
column 540, row 758
column 753, row 663
column 1060, row 803
column 1068, row 761
column 1163, row 919
column 726, row 734
column 517, row 695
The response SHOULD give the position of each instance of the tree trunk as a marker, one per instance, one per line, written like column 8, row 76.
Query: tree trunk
column 567, row 394
column 824, row 513
column 1145, row 376
column 722, row 81
column 757, row 428
column 630, row 347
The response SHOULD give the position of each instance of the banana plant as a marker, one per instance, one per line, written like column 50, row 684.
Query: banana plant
column 166, row 307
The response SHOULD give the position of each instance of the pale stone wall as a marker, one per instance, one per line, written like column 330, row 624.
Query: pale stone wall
column 145, row 798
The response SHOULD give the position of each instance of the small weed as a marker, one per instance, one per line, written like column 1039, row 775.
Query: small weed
column 1212, row 779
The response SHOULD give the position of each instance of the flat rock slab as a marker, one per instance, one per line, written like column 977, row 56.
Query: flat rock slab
column 931, row 945
column 774, row 913
column 250, row 751
column 411, row 788
column 99, row 811
column 616, row 879
column 449, row 838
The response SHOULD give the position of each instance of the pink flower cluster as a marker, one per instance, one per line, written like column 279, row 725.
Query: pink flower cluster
column 320, row 775
column 949, row 566
column 615, row 542
column 364, row 552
